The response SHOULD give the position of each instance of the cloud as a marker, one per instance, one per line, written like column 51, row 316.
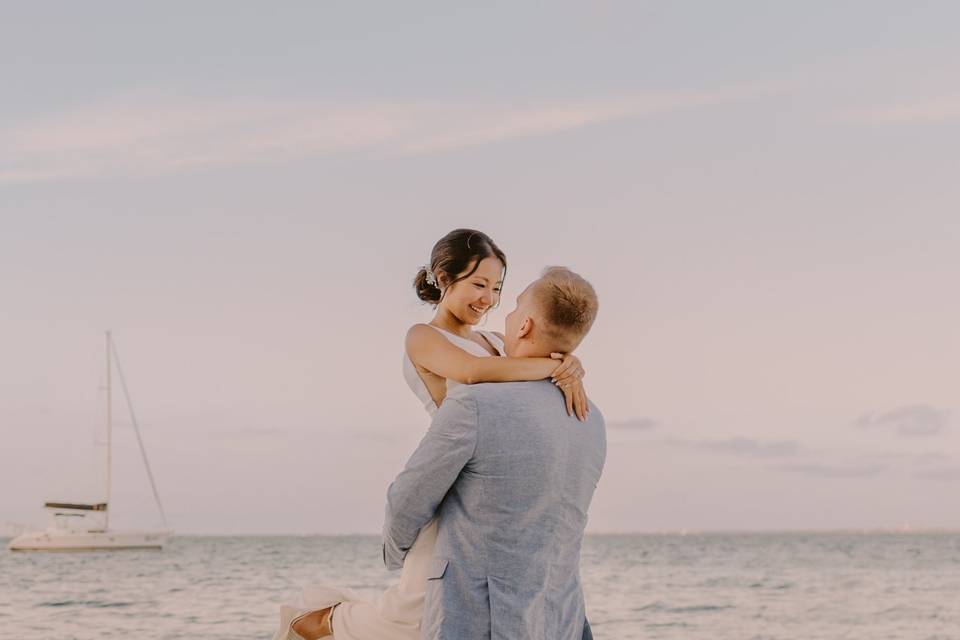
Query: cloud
column 637, row 424
column 153, row 133
column 817, row 470
column 748, row 447
column 932, row 457
column 908, row 420
column 941, row 109
column 944, row 474
column 917, row 459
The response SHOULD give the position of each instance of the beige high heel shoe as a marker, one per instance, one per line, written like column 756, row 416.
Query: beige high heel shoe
column 289, row 616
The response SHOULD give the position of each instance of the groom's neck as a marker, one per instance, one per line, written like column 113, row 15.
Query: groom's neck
column 530, row 350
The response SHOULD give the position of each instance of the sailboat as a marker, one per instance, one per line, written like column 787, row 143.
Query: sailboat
column 86, row 527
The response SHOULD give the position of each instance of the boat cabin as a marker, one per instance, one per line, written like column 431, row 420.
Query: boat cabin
column 71, row 516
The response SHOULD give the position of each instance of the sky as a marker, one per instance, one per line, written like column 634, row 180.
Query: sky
column 763, row 194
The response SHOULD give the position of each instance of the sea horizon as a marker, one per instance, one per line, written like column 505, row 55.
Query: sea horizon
column 908, row 530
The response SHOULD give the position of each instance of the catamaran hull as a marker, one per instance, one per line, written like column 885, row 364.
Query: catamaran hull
column 89, row 541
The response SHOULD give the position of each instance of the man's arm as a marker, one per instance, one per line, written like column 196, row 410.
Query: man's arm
column 414, row 496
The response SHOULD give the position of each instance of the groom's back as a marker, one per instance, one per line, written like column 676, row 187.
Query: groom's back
column 512, row 525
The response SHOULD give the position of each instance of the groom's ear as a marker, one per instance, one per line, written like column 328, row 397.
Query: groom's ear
column 526, row 328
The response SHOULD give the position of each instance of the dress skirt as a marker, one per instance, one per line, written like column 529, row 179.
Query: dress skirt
column 393, row 615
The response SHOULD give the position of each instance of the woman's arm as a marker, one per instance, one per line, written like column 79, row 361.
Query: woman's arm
column 569, row 377
column 430, row 350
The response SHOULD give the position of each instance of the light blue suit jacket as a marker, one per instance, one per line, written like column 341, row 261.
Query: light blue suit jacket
column 510, row 477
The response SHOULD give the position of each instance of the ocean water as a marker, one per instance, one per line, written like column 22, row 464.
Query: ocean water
column 739, row 586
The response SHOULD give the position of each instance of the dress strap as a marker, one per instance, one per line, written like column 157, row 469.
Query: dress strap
column 494, row 341
column 489, row 336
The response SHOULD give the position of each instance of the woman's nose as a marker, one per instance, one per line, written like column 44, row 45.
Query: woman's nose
column 487, row 297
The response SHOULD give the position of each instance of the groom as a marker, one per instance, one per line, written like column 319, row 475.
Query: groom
column 510, row 477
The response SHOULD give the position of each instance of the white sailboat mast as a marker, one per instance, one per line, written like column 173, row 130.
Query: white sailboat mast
column 109, row 436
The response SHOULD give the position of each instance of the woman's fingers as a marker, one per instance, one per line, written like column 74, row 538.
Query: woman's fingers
column 574, row 394
column 584, row 405
column 568, row 396
column 570, row 365
column 576, row 399
column 561, row 371
column 570, row 376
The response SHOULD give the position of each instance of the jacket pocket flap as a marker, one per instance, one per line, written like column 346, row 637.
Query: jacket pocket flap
column 438, row 566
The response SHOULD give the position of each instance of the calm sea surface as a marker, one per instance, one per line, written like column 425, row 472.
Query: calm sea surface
column 749, row 586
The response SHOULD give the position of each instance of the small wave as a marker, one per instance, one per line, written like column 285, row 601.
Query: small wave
column 663, row 607
column 782, row 586
column 653, row 606
column 700, row 608
column 95, row 604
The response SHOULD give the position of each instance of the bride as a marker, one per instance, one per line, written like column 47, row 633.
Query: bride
column 463, row 281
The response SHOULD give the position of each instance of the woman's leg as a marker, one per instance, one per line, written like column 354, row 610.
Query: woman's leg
column 396, row 614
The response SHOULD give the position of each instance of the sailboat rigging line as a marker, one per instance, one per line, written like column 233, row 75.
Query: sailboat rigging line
column 136, row 429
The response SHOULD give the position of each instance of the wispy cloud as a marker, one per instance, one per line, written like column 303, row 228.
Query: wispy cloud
column 148, row 134
column 944, row 474
column 917, row 459
column 637, row 424
column 818, row 470
column 934, row 110
column 748, row 447
column 907, row 420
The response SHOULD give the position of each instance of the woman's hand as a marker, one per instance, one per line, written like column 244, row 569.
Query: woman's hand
column 569, row 377
column 576, row 398
column 571, row 368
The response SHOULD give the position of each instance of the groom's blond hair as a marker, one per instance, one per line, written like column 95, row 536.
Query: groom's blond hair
column 569, row 305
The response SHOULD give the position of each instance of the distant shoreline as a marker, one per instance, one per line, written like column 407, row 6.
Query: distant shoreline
column 614, row 534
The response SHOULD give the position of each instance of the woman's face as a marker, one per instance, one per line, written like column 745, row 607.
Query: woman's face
column 470, row 298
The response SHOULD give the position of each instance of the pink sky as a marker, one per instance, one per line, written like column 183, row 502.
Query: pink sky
column 773, row 239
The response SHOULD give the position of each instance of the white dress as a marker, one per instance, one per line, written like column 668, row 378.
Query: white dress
column 396, row 613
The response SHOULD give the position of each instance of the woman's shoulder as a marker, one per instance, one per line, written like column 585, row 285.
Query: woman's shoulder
column 422, row 329
column 418, row 333
column 424, row 336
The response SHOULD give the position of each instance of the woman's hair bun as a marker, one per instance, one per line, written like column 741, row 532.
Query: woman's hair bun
column 425, row 291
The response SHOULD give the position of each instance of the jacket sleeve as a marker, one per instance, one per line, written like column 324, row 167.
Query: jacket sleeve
column 415, row 495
